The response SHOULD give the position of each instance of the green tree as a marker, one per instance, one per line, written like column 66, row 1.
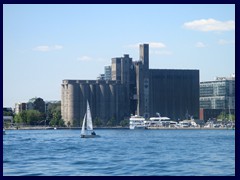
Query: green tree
column 97, row 122
column 34, row 117
column 7, row 113
column 21, row 117
column 68, row 123
column 231, row 117
column 54, row 114
column 39, row 105
column 29, row 117
column 18, row 118
column 124, row 123
column 222, row 116
column 52, row 122
column 111, row 122
column 61, row 123
column 76, row 123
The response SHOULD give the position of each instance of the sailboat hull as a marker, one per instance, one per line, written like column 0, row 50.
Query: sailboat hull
column 89, row 136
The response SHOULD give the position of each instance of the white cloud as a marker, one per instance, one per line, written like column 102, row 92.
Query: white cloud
column 46, row 48
column 210, row 25
column 134, row 46
column 225, row 42
column 84, row 58
column 42, row 48
column 200, row 45
column 151, row 45
column 156, row 45
column 57, row 47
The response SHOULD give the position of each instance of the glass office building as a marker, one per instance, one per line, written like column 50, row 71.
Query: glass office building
column 218, row 95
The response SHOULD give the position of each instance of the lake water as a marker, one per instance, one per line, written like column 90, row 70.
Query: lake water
column 119, row 152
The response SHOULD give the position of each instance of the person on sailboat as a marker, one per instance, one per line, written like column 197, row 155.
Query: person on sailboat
column 93, row 133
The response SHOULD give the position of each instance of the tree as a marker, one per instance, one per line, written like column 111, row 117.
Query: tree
column 29, row 117
column 17, row 118
column 7, row 113
column 54, row 114
column 52, row 122
column 68, row 123
column 39, row 105
column 111, row 122
column 21, row 117
column 61, row 123
column 124, row 123
column 97, row 122
column 34, row 117
column 75, row 123
column 221, row 116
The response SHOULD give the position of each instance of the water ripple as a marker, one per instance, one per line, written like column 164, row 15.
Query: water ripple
column 119, row 152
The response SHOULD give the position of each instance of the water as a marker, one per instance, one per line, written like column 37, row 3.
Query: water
column 119, row 152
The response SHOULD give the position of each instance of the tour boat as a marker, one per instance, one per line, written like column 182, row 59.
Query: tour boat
column 137, row 122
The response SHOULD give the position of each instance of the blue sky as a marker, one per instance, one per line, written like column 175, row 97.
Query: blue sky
column 44, row 44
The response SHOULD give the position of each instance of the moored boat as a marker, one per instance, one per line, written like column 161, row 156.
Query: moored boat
column 137, row 122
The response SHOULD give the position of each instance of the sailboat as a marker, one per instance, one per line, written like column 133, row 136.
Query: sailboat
column 87, row 123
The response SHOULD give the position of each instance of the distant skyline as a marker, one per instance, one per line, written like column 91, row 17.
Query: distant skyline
column 44, row 44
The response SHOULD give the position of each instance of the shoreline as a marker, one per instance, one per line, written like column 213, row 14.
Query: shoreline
column 187, row 128
column 59, row 128
column 116, row 128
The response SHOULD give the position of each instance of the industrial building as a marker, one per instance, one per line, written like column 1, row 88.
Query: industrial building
column 133, row 89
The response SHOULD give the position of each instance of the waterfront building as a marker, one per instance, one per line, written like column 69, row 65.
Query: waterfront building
column 33, row 104
column 217, row 96
column 173, row 93
column 133, row 89
column 8, row 119
column 106, row 100
column 19, row 107
column 7, row 109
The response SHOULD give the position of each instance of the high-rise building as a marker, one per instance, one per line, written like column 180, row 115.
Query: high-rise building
column 107, row 73
column 116, row 69
column 133, row 89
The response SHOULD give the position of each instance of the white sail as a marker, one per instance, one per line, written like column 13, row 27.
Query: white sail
column 89, row 118
column 83, row 125
column 88, row 121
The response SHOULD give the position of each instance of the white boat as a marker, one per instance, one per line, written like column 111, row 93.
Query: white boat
column 185, row 123
column 157, row 121
column 137, row 122
column 87, row 126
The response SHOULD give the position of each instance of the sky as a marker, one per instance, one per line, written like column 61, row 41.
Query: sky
column 45, row 44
